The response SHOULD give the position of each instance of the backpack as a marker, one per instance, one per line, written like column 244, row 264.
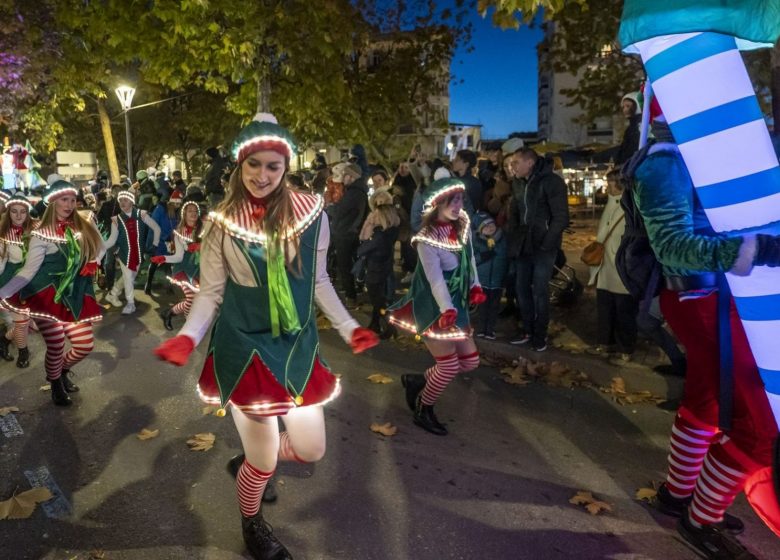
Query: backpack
column 638, row 268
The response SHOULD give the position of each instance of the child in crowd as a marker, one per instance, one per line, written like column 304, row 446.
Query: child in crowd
column 490, row 255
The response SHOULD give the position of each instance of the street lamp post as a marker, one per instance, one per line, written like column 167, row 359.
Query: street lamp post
column 125, row 95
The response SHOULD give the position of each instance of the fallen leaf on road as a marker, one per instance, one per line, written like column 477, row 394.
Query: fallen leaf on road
column 621, row 395
column 592, row 505
column 516, row 375
column 618, row 385
column 646, row 494
column 201, row 442
column 22, row 505
column 8, row 410
column 98, row 554
column 379, row 378
column 322, row 323
column 147, row 434
column 386, row 429
column 46, row 387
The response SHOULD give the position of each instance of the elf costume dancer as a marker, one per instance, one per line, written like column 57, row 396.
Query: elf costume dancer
column 263, row 266
column 711, row 182
column 185, row 261
column 56, row 286
column 128, row 231
column 15, row 227
column 445, row 283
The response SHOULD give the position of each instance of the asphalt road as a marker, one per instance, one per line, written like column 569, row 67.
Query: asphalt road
column 498, row 487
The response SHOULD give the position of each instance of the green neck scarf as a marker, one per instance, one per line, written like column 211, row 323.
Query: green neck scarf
column 284, row 316
column 72, row 252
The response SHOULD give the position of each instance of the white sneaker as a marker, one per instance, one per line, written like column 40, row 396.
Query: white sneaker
column 113, row 300
column 129, row 309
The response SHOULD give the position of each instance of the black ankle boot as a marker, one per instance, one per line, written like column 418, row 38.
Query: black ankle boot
column 24, row 358
column 167, row 317
column 260, row 540
column 269, row 494
column 58, row 393
column 413, row 383
column 70, row 387
column 5, row 353
column 426, row 419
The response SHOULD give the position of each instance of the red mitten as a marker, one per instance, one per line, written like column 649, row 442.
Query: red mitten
column 158, row 259
column 477, row 295
column 193, row 247
column 363, row 339
column 176, row 350
column 89, row 269
column 448, row 318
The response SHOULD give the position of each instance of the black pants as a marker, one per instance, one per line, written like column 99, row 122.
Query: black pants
column 653, row 328
column 408, row 257
column 346, row 249
column 532, row 288
column 488, row 311
column 109, row 267
column 617, row 320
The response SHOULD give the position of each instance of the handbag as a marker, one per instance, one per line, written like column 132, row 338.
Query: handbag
column 593, row 252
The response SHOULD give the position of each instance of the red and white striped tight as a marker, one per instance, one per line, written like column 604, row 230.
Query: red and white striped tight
column 183, row 307
column 19, row 333
column 54, row 334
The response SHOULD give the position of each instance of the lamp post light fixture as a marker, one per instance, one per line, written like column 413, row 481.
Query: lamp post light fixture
column 125, row 95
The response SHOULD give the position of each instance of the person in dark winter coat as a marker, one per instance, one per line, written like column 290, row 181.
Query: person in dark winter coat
column 218, row 166
column 538, row 214
column 489, row 244
column 378, row 236
column 463, row 165
column 348, row 215
column 629, row 105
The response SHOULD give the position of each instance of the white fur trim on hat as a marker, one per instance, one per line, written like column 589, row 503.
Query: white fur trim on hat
column 441, row 173
column 265, row 117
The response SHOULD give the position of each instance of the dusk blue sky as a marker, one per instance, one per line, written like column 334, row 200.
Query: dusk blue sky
column 499, row 90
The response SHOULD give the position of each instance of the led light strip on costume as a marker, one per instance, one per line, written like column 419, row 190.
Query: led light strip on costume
column 269, row 408
column 446, row 244
column 261, row 139
column 37, row 315
column 51, row 237
column 183, row 237
column 60, row 192
column 137, row 240
column 455, row 334
column 183, row 284
column 4, row 196
column 21, row 202
column 260, row 237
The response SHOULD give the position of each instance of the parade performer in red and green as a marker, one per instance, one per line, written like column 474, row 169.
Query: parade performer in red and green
column 55, row 286
column 15, row 227
column 185, row 260
column 436, row 307
column 263, row 268
column 128, row 232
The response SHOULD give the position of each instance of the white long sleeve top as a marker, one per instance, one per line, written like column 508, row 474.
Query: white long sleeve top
column 13, row 251
column 180, row 247
column 222, row 259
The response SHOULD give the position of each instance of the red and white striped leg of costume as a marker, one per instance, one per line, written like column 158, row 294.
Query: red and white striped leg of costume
column 443, row 372
column 183, row 307
column 18, row 333
column 689, row 444
column 54, row 334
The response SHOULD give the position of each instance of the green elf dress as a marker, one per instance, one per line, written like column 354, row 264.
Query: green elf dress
column 263, row 356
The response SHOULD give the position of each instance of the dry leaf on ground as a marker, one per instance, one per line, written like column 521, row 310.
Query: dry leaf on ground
column 380, row 378
column 46, row 387
column 323, row 323
column 646, row 494
column 516, row 375
column 386, row 429
column 98, row 554
column 201, row 442
column 617, row 388
column 21, row 506
column 592, row 505
column 8, row 410
column 146, row 433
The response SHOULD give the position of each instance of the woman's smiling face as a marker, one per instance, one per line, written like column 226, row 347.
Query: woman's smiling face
column 262, row 172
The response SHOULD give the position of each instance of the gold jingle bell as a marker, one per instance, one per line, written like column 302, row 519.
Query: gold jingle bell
column 298, row 400
column 221, row 412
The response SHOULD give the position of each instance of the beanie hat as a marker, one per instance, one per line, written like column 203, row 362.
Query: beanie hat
column 353, row 170
column 127, row 195
column 20, row 199
column 141, row 175
column 512, row 145
column 176, row 197
column 263, row 133
column 58, row 189
column 440, row 189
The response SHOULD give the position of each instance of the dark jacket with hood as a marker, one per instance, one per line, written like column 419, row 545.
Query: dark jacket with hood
column 538, row 212
column 349, row 213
